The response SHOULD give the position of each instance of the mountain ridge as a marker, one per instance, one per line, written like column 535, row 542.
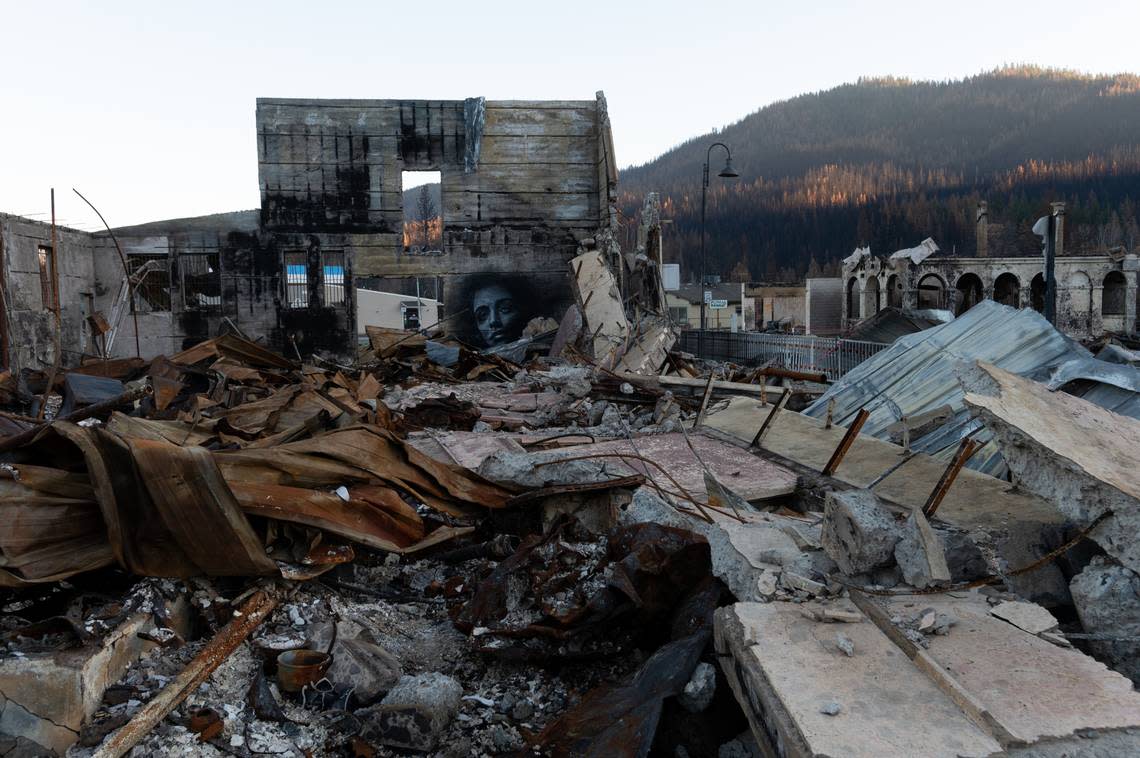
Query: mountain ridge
column 887, row 162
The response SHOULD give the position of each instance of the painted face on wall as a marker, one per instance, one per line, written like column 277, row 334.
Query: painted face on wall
column 496, row 315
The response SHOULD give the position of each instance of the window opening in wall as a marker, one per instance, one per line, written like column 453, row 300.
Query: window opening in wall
column 970, row 292
column 150, row 277
column 1112, row 298
column 411, row 316
column 43, row 253
column 1037, row 293
column 679, row 315
column 332, row 268
column 423, row 212
column 201, row 281
column 931, row 292
column 1007, row 290
column 297, row 279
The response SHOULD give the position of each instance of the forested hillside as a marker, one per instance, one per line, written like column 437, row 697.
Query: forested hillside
column 888, row 162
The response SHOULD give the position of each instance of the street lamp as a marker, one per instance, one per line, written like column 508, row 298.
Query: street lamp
column 728, row 172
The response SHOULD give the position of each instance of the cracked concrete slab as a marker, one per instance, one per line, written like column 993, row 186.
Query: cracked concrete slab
column 45, row 697
column 1076, row 455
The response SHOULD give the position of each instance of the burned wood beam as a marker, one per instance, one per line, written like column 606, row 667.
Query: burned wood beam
column 786, row 373
column 845, row 443
column 249, row 617
column 705, row 401
column 95, row 409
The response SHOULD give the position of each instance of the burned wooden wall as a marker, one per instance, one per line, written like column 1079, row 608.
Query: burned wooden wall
column 522, row 182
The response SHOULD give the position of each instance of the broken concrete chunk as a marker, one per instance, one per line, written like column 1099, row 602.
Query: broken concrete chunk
column 1106, row 595
column 964, row 558
column 858, row 531
column 831, row 708
column 845, row 645
column 523, row 470
column 767, row 584
column 414, row 713
column 721, row 496
column 742, row 746
column 369, row 668
column 1075, row 454
column 798, row 582
column 1027, row 616
column 919, row 553
column 840, row 615
column 699, row 691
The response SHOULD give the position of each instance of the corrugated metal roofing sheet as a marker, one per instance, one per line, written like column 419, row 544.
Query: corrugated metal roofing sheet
column 920, row 372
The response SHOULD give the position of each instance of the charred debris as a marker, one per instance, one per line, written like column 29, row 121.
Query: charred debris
column 580, row 543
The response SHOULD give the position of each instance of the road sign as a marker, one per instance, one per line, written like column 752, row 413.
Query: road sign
column 717, row 305
column 708, row 296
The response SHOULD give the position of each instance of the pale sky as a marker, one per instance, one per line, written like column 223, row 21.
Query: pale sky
column 148, row 107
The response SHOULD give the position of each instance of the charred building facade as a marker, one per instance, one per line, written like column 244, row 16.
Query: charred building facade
column 523, row 183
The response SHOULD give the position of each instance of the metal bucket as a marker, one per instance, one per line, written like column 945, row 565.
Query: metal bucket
column 296, row 668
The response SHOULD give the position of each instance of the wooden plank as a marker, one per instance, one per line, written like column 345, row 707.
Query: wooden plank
column 512, row 207
column 668, row 382
column 517, row 122
column 704, row 402
column 526, row 149
column 523, row 177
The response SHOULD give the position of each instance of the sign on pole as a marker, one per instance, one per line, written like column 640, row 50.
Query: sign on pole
column 717, row 305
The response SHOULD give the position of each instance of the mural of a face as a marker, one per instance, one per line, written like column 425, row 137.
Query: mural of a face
column 497, row 316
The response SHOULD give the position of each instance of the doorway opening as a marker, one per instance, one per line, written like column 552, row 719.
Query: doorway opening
column 423, row 212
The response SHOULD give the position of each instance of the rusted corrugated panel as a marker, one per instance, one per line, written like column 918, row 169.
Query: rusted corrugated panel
column 199, row 510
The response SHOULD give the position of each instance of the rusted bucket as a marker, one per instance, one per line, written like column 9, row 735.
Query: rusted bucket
column 296, row 668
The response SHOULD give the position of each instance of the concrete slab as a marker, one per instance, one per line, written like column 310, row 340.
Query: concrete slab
column 46, row 697
column 1032, row 690
column 975, row 500
column 1022, row 526
column 752, row 478
column 786, row 668
column 1028, row 617
column 1076, row 455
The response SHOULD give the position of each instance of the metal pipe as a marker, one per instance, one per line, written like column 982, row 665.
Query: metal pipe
column 217, row 650
column 126, row 269
column 58, row 336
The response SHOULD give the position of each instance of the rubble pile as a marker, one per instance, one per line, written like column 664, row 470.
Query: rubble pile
column 582, row 544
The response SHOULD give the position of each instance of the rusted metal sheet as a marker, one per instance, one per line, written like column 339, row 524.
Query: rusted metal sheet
column 199, row 510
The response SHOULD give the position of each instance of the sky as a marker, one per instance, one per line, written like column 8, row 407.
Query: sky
column 148, row 108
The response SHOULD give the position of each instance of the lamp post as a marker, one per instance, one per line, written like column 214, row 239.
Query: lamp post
column 725, row 173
